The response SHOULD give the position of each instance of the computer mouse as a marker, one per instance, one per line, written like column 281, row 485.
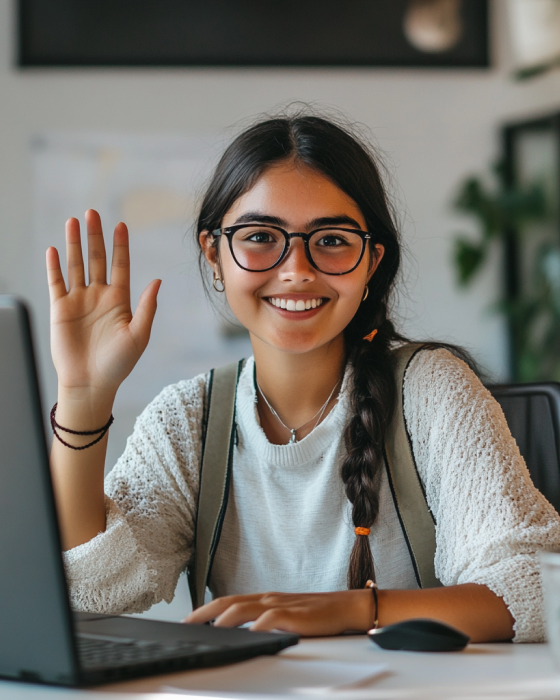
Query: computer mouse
column 419, row 635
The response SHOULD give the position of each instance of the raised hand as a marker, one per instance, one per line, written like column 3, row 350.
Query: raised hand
column 95, row 339
column 95, row 343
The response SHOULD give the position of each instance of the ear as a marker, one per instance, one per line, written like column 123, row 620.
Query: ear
column 209, row 247
column 376, row 253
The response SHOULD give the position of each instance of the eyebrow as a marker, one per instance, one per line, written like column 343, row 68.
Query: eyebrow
column 340, row 220
column 259, row 217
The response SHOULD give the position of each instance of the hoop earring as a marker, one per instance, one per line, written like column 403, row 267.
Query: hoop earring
column 365, row 293
column 214, row 284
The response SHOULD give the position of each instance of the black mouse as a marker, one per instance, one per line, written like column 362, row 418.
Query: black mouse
column 419, row 635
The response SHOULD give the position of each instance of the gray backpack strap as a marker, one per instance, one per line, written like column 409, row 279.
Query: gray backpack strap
column 214, row 474
column 408, row 493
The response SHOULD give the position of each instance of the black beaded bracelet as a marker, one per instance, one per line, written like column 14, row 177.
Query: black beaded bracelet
column 101, row 432
column 371, row 584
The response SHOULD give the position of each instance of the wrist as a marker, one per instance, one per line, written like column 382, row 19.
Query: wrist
column 84, row 408
column 384, row 607
column 362, row 614
column 371, row 586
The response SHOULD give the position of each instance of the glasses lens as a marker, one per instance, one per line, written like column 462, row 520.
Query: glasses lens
column 335, row 251
column 257, row 247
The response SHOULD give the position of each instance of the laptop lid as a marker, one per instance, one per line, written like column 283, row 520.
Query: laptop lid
column 36, row 633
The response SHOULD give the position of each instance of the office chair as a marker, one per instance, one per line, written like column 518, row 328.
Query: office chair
column 533, row 415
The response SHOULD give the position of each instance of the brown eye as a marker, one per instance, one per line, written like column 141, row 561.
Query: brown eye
column 260, row 237
column 330, row 241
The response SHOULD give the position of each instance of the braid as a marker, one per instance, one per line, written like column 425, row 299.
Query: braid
column 372, row 403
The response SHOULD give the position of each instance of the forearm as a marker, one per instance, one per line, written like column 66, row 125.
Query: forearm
column 472, row 608
column 78, row 474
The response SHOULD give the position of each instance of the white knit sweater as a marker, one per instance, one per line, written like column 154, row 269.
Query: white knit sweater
column 490, row 519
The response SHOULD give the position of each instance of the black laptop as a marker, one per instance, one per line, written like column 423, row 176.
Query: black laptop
column 41, row 639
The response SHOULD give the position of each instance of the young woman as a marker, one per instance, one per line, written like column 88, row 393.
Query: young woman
column 299, row 235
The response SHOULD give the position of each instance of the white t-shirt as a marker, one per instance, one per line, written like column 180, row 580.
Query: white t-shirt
column 288, row 524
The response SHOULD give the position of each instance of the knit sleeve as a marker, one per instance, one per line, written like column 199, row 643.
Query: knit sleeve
column 490, row 519
column 151, row 496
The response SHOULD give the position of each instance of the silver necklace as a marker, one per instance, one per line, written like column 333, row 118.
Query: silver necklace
column 293, row 431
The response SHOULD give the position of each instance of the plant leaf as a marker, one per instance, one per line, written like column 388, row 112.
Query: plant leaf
column 468, row 259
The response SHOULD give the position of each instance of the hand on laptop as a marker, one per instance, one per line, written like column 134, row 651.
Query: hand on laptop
column 308, row 614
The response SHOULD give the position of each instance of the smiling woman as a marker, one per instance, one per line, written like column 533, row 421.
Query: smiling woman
column 297, row 230
column 264, row 263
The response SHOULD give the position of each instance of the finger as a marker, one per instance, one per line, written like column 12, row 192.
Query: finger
column 212, row 610
column 97, row 258
column 55, row 279
column 141, row 324
column 120, row 264
column 240, row 613
column 285, row 619
column 75, row 261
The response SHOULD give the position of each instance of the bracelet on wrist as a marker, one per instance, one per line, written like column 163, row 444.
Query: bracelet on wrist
column 371, row 584
column 101, row 432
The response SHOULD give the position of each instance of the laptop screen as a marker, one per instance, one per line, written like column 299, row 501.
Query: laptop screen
column 35, row 623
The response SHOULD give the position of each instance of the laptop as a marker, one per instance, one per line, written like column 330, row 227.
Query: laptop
column 41, row 639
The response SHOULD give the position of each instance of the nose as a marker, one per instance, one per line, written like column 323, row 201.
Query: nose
column 296, row 267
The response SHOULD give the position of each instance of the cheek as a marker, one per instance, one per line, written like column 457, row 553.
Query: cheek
column 241, row 290
column 350, row 290
column 349, row 301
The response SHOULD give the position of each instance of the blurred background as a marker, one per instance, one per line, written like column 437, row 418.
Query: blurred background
column 125, row 106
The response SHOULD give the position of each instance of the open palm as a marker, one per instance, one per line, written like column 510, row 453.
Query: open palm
column 95, row 338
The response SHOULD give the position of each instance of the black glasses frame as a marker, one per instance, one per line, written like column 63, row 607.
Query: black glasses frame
column 230, row 231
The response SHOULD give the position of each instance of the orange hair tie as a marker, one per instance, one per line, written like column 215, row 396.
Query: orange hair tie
column 370, row 336
column 362, row 530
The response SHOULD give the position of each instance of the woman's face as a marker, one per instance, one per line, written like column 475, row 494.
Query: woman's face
column 298, row 198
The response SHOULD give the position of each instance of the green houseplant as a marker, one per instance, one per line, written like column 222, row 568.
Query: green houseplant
column 505, row 214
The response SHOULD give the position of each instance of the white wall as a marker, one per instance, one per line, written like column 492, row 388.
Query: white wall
column 435, row 127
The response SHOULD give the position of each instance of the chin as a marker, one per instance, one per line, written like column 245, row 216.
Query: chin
column 295, row 344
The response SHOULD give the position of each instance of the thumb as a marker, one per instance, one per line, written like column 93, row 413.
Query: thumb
column 141, row 324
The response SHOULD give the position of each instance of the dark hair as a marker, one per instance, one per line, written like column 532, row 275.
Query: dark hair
column 334, row 151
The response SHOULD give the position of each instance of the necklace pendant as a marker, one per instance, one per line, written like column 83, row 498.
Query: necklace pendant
column 293, row 436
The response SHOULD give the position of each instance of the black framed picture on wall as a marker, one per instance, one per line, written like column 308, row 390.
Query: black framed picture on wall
column 531, row 163
column 391, row 33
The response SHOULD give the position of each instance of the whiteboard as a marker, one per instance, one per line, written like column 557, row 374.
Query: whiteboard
column 152, row 183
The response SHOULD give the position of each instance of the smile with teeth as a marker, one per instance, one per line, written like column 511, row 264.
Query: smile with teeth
column 292, row 305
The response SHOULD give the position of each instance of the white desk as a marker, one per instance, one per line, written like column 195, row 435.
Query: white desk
column 488, row 671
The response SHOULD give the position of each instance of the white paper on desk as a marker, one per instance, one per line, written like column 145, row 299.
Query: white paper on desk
column 278, row 676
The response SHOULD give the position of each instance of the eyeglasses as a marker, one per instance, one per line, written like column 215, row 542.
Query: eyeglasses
column 260, row 247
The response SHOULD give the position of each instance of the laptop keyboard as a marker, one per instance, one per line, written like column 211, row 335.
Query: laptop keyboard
column 99, row 652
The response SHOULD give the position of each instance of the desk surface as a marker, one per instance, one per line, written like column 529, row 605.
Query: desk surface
column 482, row 670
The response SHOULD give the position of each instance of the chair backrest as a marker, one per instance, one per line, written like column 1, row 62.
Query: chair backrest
column 533, row 415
